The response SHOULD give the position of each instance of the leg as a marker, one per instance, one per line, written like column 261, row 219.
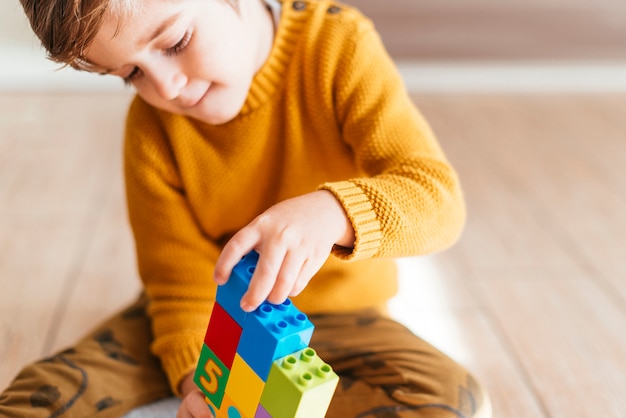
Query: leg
column 387, row 371
column 108, row 373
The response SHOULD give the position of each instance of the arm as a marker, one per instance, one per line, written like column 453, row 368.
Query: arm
column 294, row 238
column 409, row 192
column 407, row 202
column 175, row 260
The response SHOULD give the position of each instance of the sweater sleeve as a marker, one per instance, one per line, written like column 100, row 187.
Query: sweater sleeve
column 409, row 200
column 175, row 260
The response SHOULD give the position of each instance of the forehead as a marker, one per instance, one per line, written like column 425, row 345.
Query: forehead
column 118, row 12
column 132, row 16
column 126, row 13
column 126, row 28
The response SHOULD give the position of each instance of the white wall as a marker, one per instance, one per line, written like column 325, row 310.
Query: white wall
column 13, row 24
column 24, row 66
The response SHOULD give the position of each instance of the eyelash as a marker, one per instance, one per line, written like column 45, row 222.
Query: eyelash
column 174, row 50
column 180, row 45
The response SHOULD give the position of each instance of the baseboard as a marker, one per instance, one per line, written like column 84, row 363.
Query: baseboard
column 514, row 77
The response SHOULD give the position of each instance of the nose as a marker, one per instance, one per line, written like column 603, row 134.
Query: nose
column 168, row 81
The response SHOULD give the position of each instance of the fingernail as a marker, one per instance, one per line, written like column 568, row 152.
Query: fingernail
column 247, row 307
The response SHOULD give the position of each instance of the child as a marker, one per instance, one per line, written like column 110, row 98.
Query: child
column 276, row 126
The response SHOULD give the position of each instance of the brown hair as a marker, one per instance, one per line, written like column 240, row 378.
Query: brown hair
column 67, row 27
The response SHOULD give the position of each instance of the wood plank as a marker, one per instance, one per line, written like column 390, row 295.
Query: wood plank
column 35, row 260
column 501, row 221
column 567, row 334
column 541, row 186
column 58, row 161
column 469, row 337
column 52, row 190
column 108, row 278
column 438, row 303
column 546, row 166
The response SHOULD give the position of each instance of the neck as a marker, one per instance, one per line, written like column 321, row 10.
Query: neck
column 261, row 17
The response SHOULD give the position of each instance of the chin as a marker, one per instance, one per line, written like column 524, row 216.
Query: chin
column 217, row 114
column 215, row 118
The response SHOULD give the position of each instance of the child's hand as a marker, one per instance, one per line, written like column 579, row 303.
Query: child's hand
column 293, row 239
column 193, row 404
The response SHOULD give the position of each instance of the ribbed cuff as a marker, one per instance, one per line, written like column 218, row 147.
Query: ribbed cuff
column 178, row 366
column 363, row 218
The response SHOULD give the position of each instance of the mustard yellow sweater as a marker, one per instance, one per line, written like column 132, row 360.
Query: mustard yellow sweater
column 327, row 110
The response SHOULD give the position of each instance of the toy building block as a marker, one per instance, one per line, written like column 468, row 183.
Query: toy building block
column 223, row 335
column 262, row 412
column 228, row 409
column 300, row 385
column 229, row 295
column 272, row 332
column 244, row 387
column 211, row 376
column 258, row 364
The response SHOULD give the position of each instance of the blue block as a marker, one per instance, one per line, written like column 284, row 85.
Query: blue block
column 229, row 294
column 272, row 332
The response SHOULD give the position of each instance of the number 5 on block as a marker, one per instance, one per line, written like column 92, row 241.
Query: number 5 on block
column 211, row 376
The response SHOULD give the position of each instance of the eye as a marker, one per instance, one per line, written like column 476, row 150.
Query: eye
column 134, row 74
column 180, row 45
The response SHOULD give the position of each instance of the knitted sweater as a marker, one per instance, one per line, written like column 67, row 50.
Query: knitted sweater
column 327, row 110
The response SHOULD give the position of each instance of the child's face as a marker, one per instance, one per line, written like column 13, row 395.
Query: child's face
column 191, row 57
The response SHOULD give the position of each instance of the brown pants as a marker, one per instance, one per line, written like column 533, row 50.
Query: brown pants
column 385, row 371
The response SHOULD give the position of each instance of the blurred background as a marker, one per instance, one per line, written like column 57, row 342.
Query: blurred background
column 24, row 66
column 528, row 99
column 496, row 44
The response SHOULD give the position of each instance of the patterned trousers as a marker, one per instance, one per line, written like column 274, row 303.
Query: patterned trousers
column 385, row 371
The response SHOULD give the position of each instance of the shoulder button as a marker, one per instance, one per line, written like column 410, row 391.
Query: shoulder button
column 298, row 5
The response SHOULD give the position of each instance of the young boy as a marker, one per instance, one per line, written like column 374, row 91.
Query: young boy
column 276, row 126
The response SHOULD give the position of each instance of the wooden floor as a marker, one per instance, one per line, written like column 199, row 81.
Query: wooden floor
column 532, row 298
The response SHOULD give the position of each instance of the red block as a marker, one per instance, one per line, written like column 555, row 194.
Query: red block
column 222, row 335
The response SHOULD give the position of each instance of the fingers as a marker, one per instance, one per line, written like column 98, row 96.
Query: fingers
column 276, row 271
column 279, row 274
column 308, row 270
column 264, row 278
column 238, row 246
column 194, row 406
column 274, row 278
column 287, row 276
column 293, row 239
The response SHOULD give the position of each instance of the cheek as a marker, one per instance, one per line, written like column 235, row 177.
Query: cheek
column 150, row 96
column 229, row 52
column 220, row 66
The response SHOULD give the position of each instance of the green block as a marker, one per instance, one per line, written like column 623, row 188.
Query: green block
column 211, row 376
column 299, row 385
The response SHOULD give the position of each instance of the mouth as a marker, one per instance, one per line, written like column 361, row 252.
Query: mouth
column 188, row 104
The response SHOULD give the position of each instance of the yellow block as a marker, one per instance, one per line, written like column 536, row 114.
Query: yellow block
column 244, row 387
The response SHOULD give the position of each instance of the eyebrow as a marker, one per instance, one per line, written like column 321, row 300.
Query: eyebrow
column 160, row 29
column 92, row 67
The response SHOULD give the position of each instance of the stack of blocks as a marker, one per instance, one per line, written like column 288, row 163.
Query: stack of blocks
column 259, row 364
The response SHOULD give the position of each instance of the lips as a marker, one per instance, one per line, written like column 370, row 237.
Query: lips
column 188, row 103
